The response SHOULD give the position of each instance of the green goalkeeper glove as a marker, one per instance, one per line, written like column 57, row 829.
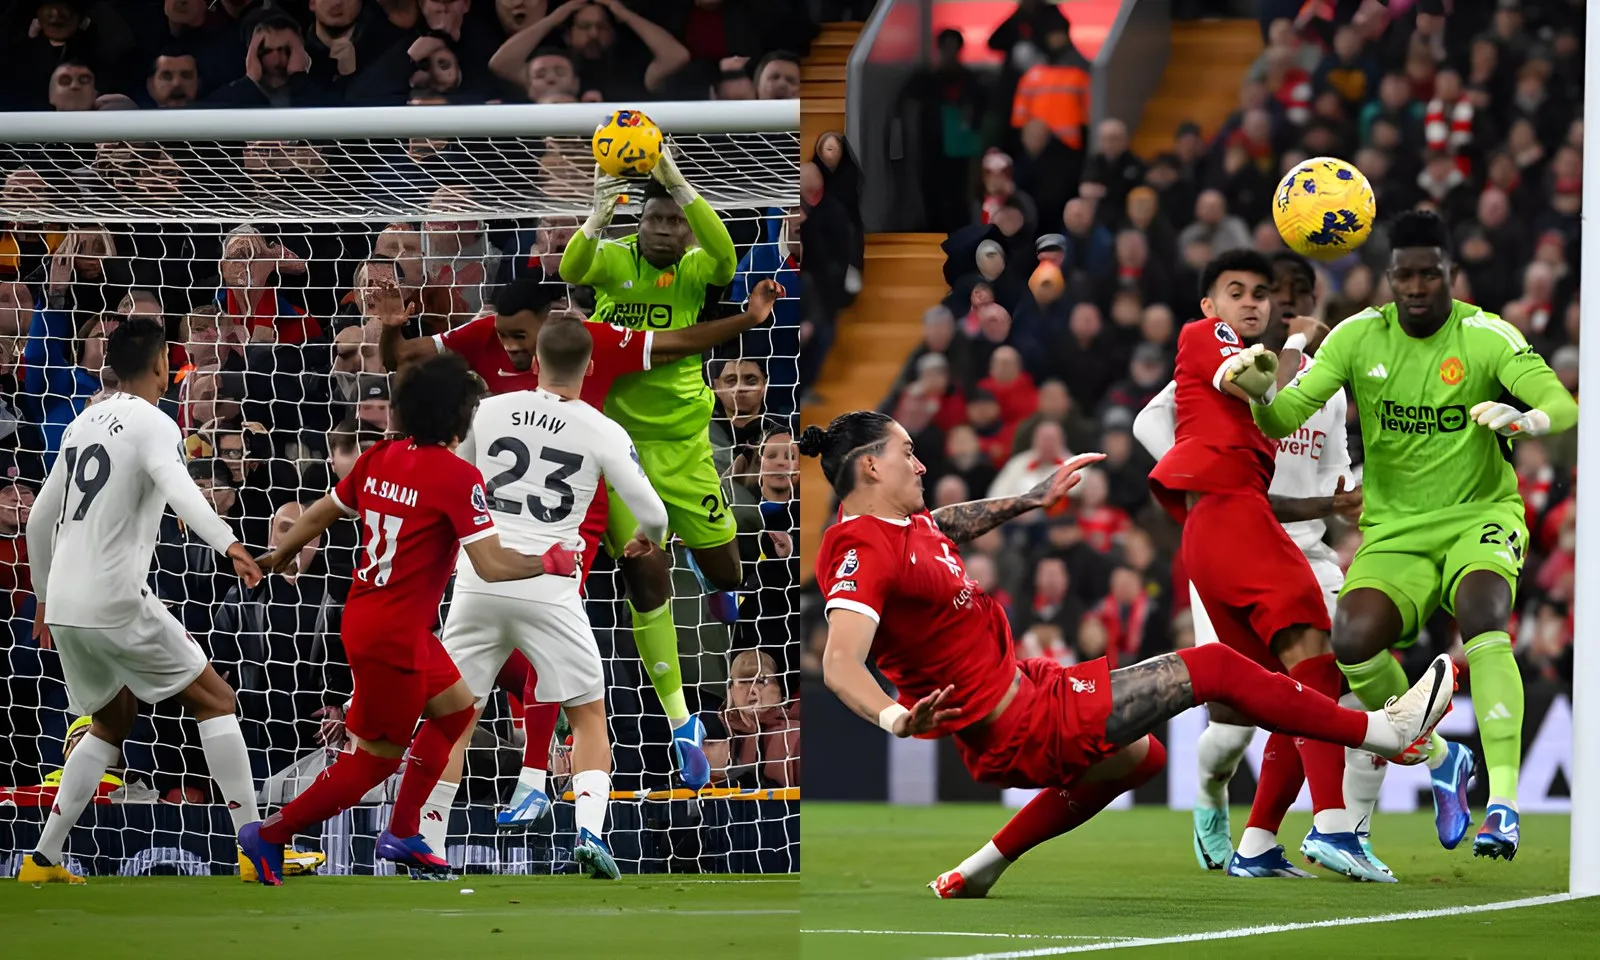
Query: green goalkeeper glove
column 1255, row 371
column 1508, row 421
column 667, row 174
column 607, row 191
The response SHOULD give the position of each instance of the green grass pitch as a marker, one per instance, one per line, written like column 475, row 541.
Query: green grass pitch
column 1132, row 874
column 346, row 918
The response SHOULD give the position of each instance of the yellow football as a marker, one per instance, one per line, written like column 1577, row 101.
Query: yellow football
column 1324, row 208
column 627, row 144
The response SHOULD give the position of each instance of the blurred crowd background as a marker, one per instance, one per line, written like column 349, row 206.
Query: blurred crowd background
column 279, row 382
column 1473, row 109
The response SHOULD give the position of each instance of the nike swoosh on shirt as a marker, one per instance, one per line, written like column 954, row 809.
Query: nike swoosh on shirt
column 507, row 373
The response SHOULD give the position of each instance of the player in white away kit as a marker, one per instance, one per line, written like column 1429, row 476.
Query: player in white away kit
column 95, row 525
column 544, row 454
column 1311, row 481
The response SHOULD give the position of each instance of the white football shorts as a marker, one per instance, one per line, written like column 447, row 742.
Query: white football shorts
column 483, row 630
column 152, row 655
column 1324, row 563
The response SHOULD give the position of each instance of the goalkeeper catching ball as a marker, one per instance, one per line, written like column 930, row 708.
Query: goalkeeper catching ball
column 1442, row 523
column 656, row 280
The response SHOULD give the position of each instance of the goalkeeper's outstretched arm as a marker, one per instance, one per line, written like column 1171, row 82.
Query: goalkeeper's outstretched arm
column 1527, row 377
column 1295, row 403
column 708, row 227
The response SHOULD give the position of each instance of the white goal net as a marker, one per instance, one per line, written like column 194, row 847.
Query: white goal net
column 253, row 235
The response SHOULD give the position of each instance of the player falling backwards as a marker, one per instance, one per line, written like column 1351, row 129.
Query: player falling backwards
column 1310, row 482
column 1215, row 482
column 419, row 505
column 1442, row 524
column 95, row 526
column 896, row 591
column 574, row 450
column 500, row 349
column 656, row 280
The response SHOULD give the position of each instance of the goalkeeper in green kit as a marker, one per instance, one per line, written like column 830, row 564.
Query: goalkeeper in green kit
column 655, row 280
column 1442, row 524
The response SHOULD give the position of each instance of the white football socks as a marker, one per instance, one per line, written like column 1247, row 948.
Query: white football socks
column 1255, row 841
column 229, row 763
column 529, row 780
column 983, row 868
column 1220, row 749
column 591, row 790
column 1363, row 777
column 435, row 823
column 80, row 780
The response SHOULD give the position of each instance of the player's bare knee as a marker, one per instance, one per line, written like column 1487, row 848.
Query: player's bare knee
column 648, row 580
column 722, row 566
column 1222, row 713
column 1482, row 603
column 209, row 697
column 114, row 721
column 1299, row 643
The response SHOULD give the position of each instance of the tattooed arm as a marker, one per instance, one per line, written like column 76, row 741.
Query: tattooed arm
column 964, row 522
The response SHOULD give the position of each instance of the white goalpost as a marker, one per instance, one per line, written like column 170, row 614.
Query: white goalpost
column 253, row 234
column 1585, row 867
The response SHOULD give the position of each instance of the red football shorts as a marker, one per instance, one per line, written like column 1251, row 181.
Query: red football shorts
column 1052, row 731
column 1250, row 575
column 388, row 700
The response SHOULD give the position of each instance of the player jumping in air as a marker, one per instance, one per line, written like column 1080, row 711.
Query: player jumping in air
column 896, row 591
column 500, row 349
column 1442, row 524
column 1214, row 481
column 95, row 525
column 657, row 279
column 573, row 451
column 419, row 505
column 1311, row 481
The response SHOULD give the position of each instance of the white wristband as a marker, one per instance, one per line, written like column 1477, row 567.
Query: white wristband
column 888, row 715
column 1296, row 341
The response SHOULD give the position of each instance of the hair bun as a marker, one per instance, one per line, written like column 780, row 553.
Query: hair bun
column 813, row 440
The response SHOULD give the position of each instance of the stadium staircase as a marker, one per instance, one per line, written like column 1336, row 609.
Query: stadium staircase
column 1207, row 65
column 903, row 277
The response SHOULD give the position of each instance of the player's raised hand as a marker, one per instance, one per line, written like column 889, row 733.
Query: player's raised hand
column 1347, row 503
column 927, row 714
column 276, row 560
column 41, row 630
column 1253, row 370
column 1309, row 327
column 608, row 191
column 763, row 297
column 666, row 172
column 641, row 545
column 1052, row 491
column 244, row 565
column 1508, row 421
column 389, row 304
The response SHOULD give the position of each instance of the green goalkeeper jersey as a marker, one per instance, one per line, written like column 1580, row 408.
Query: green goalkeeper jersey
column 1423, row 450
column 671, row 401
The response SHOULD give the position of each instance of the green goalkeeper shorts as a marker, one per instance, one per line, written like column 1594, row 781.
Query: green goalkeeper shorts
column 1418, row 562
column 685, row 476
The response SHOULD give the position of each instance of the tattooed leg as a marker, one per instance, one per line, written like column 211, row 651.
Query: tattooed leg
column 1147, row 695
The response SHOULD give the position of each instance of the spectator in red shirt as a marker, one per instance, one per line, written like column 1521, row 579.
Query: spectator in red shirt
column 16, row 501
column 250, row 265
column 933, row 390
column 1125, row 615
column 994, row 437
column 1011, row 386
column 1103, row 525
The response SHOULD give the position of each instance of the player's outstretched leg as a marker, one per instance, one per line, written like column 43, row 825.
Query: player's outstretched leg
column 450, row 715
column 80, row 780
column 1221, row 746
column 1049, row 814
column 1366, row 625
column 649, row 583
column 591, row 788
column 529, row 801
column 1483, row 610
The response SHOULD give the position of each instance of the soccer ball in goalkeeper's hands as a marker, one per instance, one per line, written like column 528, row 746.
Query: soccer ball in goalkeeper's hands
column 1324, row 208
column 627, row 144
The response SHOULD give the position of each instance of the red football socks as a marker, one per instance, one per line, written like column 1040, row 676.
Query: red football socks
column 1323, row 761
column 1056, row 811
column 430, row 752
column 1273, row 701
column 1279, row 782
column 538, row 719
column 340, row 787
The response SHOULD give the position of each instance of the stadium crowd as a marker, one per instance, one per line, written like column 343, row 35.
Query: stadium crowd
column 1471, row 109
column 279, row 381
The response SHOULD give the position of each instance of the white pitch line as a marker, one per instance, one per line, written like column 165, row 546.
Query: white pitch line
column 1272, row 928
column 968, row 933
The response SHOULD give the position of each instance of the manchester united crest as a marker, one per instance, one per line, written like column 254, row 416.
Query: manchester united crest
column 1452, row 372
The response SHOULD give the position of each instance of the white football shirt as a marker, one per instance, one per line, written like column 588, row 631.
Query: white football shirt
column 543, row 459
column 1310, row 461
column 95, row 522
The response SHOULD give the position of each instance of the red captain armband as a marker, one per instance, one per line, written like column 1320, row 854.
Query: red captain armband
column 560, row 562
